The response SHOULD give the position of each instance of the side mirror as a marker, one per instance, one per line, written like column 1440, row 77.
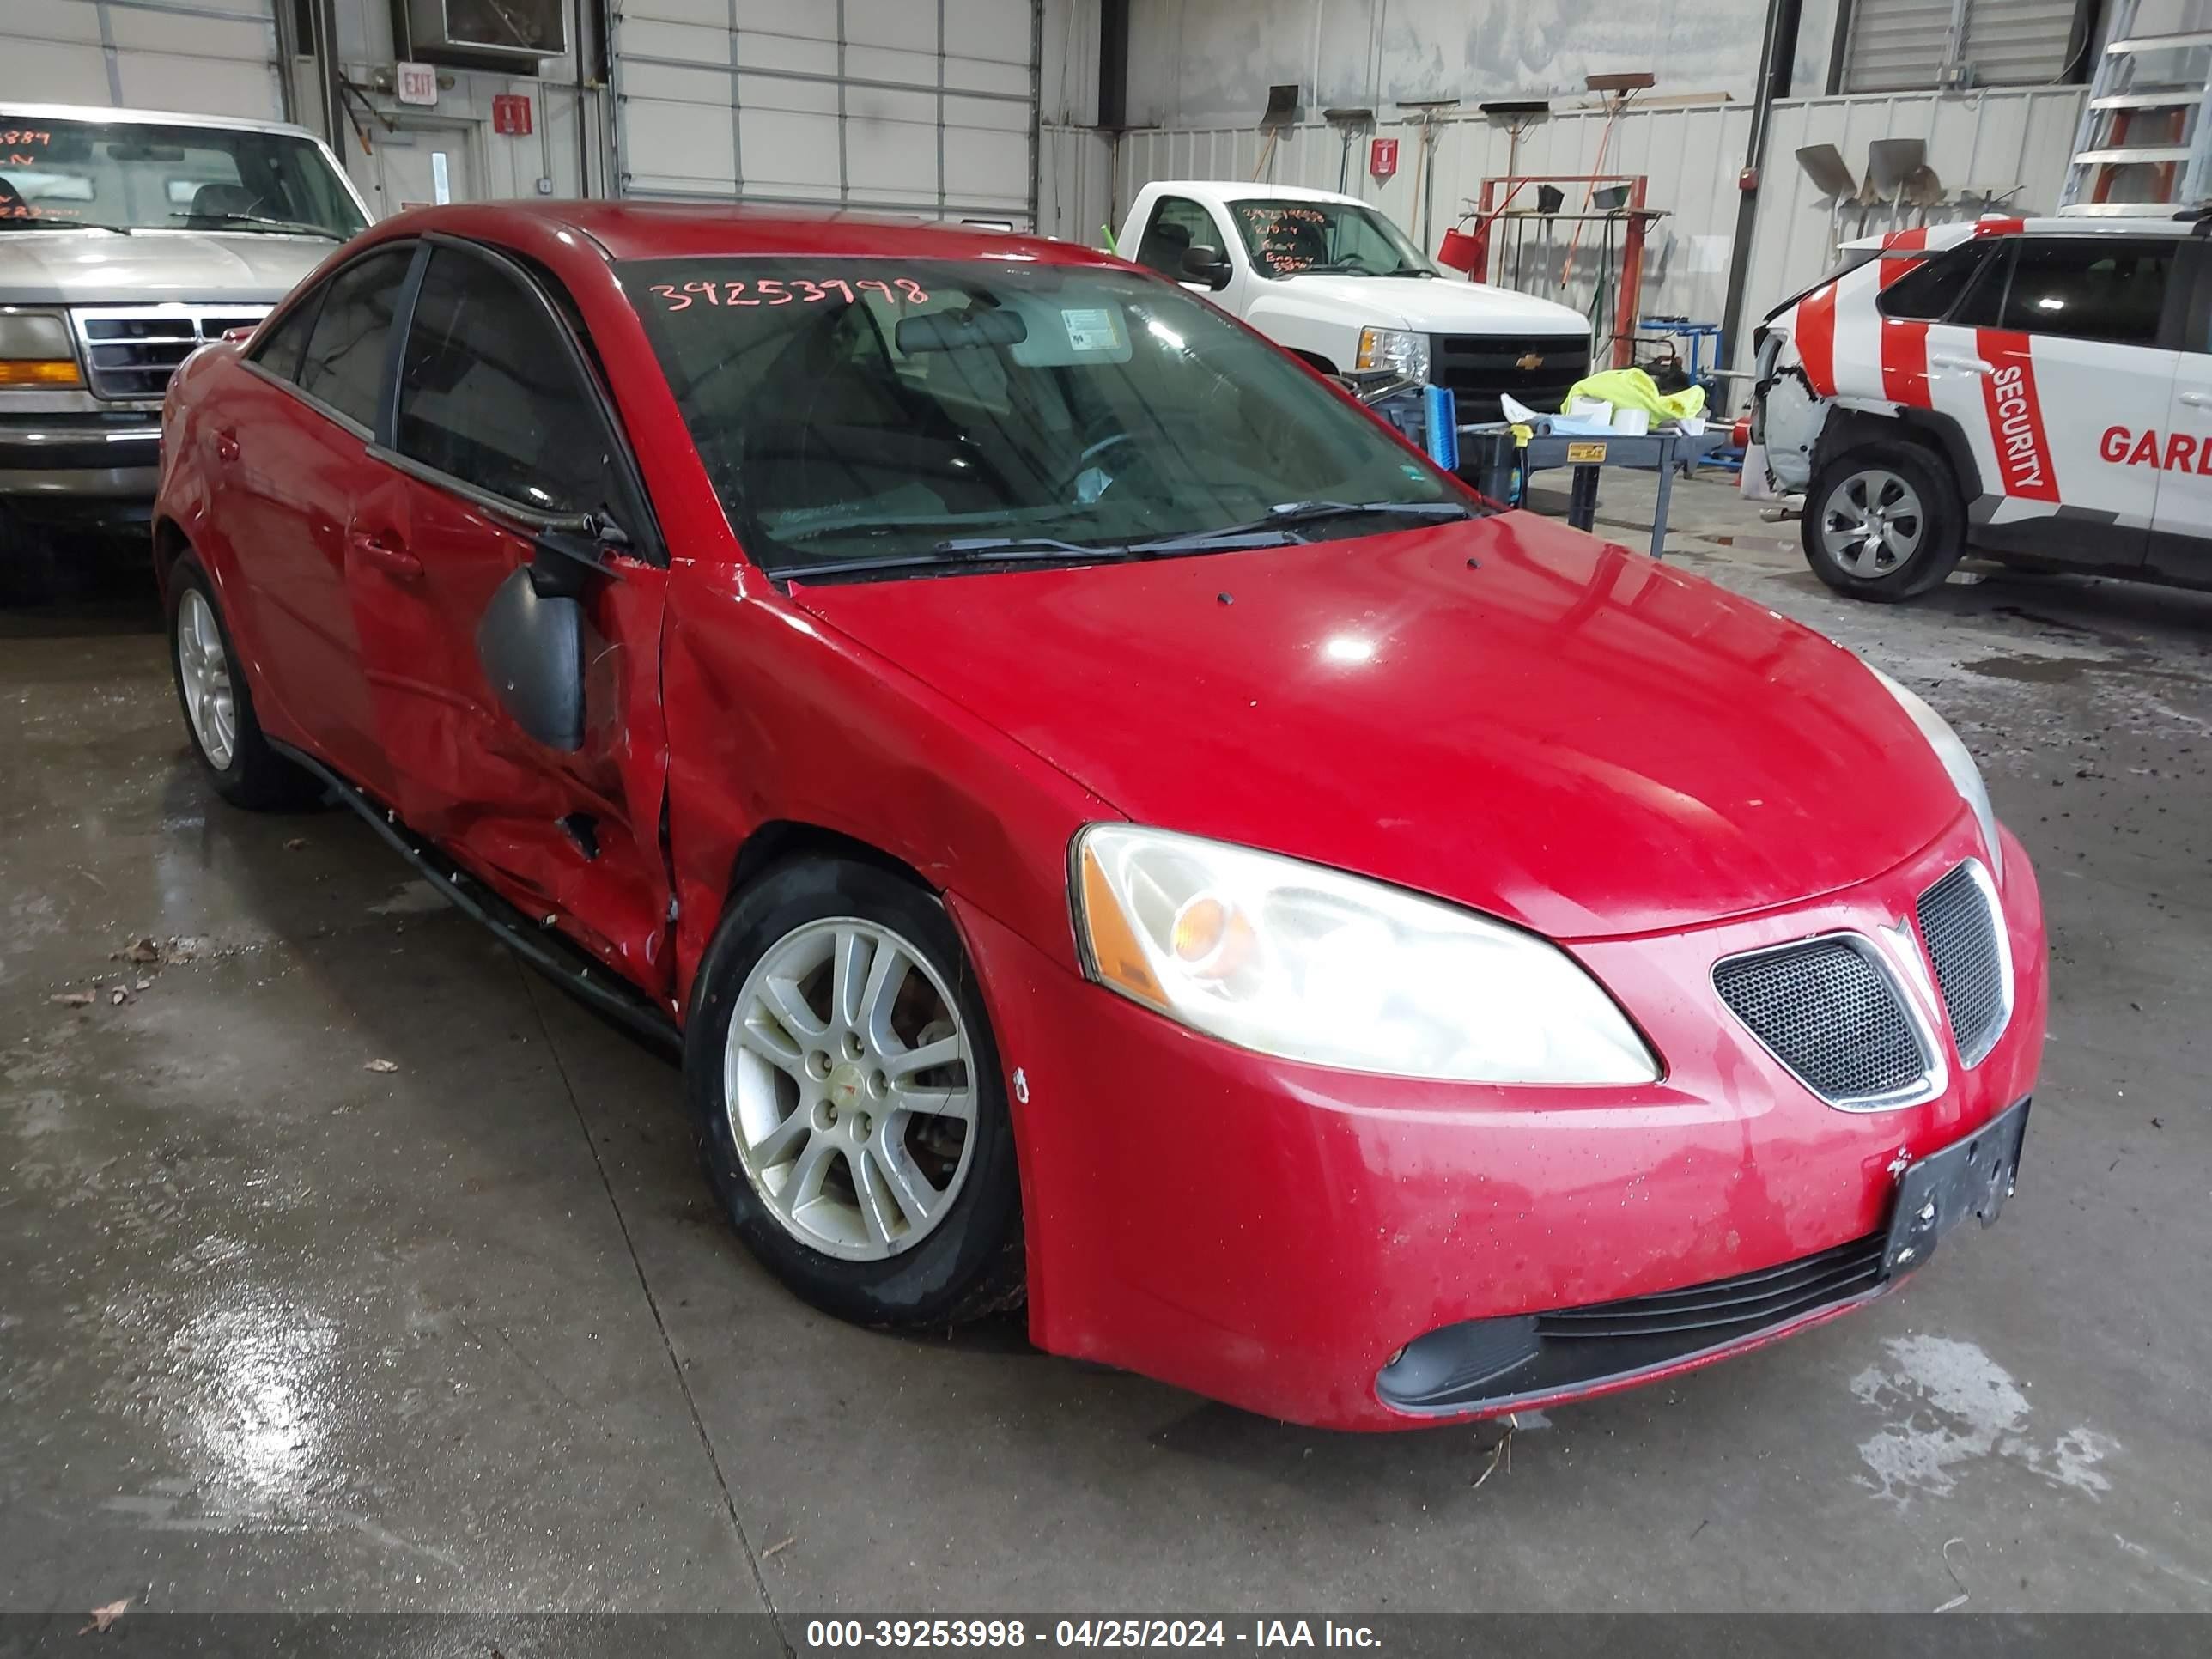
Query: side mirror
column 532, row 646
column 1201, row 264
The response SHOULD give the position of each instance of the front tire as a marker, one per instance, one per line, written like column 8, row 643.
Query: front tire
column 1884, row 522
column 218, row 706
column 844, row 1085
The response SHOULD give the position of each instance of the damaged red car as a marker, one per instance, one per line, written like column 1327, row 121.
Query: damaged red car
column 1108, row 827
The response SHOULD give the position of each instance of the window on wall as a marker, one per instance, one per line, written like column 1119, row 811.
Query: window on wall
column 1893, row 45
column 490, row 394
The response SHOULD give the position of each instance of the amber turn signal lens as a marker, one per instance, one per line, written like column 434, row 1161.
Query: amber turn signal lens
column 1114, row 948
column 42, row 372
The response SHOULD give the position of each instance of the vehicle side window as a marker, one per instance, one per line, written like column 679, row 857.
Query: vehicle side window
column 1177, row 223
column 490, row 393
column 349, row 346
column 1983, row 303
column 1927, row 292
column 280, row 349
column 2090, row 288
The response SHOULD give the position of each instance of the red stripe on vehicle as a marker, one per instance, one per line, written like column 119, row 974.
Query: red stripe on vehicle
column 2016, row 416
column 1904, row 362
column 1890, row 267
column 1816, row 339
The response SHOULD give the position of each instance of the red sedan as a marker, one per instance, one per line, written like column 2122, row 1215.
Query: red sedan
column 1104, row 822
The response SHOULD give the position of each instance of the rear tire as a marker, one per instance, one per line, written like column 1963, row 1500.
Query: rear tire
column 218, row 704
column 1884, row 522
column 882, row 1192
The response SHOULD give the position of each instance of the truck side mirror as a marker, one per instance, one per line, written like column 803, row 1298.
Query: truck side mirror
column 1201, row 264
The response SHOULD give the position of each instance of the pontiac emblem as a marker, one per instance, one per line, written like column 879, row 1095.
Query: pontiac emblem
column 1528, row 359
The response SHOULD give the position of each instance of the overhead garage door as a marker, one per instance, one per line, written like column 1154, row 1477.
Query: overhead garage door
column 210, row 57
column 1899, row 45
column 908, row 106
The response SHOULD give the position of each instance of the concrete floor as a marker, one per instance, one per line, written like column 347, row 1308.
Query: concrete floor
column 283, row 1327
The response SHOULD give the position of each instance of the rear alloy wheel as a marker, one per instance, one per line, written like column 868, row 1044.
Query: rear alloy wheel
column 1883, row 523
column 218, row 706
column 842, row 1074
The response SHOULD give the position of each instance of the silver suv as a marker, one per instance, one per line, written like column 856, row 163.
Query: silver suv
column 128, row 239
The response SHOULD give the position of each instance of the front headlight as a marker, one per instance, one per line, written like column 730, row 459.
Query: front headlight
column 35, row 352
column 1306, row 963
column 1965, row 774
column 1398, row 349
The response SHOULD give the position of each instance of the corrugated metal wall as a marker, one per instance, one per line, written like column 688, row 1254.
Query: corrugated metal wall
column 218, row 57
column 1901, row 44
column 1994, row 140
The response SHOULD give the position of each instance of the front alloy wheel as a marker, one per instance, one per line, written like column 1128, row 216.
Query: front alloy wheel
column 204, row 677
column 1872, row 522
column 850, row 1088
column 842, row 1074
column 1884, row 521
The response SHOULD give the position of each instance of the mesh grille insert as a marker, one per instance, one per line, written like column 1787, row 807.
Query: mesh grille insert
column 1962, row 943
column 1830, row 1015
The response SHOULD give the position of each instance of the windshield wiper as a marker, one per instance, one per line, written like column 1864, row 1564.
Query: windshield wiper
column 974, row 550
column 1273, row 530
column 291, row 226
column 26, row 221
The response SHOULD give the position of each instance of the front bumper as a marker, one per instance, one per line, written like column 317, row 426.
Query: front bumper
column 80, row 461
column 1271, row 1234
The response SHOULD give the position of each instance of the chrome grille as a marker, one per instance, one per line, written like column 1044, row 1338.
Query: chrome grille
column 1828, row 1009
column 1957, row 918
column 131, row 351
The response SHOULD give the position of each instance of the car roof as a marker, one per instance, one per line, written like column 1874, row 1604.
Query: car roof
column 1235, row 190
column 1935, row 237
column 13, row 111
column 674, row 230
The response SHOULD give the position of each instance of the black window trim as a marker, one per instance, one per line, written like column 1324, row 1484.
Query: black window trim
column 646, row 541
column 315, row 296
column 2196, row 279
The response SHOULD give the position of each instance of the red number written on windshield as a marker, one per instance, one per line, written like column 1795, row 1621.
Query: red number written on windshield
column 794, row 290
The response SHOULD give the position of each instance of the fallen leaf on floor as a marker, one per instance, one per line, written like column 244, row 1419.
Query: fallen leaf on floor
column 381, row 1065
column 74, row 998
column 119, row 996
column 103, row 1617
column 296, row 844
column 143, row 950
column 145, row 985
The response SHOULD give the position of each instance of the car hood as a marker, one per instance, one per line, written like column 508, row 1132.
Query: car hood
column 93, row 267
column 1504, row 713
column 1430, row 305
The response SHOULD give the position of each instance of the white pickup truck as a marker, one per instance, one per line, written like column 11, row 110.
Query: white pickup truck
column 1329, row 278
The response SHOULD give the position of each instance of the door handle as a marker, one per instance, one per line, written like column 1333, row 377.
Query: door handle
column 225, row 446
column 1964, row 365
column 2198, row 400
column 387, row 556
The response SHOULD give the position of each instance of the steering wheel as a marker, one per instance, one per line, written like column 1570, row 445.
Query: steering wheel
column 1084, row 462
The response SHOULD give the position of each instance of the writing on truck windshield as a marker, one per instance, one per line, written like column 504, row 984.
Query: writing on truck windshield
column 133, row 175
column 1290, row 239
column 882, row 408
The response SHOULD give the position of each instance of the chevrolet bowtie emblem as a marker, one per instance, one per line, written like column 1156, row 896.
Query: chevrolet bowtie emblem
column 1528, row 359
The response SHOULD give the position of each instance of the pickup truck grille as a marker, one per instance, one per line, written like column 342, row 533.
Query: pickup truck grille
column 1536, row 369
column 131, row 351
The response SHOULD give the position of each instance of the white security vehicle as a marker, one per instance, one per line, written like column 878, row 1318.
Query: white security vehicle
column 1331, row 279
column 2038, row 388
column 127, row 239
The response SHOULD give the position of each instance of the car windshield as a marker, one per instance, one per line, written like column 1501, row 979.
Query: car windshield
column 859, row 410
column 136, row 175
column 1293, row 239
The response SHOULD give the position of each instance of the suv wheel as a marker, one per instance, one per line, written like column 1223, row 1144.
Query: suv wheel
column 1884, row 522
column 841, row 1072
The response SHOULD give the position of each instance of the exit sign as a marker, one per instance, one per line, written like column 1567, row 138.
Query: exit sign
column 1383, row 157
column 417, row 83
column 510, row 113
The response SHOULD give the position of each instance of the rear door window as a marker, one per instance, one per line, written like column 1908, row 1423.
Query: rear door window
column 349, row 348
column 2108, row 288
column 490, row 394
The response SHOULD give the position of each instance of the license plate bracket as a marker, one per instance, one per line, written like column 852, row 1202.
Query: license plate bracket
column 1973, row 1176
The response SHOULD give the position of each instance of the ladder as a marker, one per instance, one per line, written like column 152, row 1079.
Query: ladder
column 2145, row 141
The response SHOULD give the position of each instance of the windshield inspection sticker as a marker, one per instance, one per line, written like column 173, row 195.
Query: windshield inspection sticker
column 1092, row 331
